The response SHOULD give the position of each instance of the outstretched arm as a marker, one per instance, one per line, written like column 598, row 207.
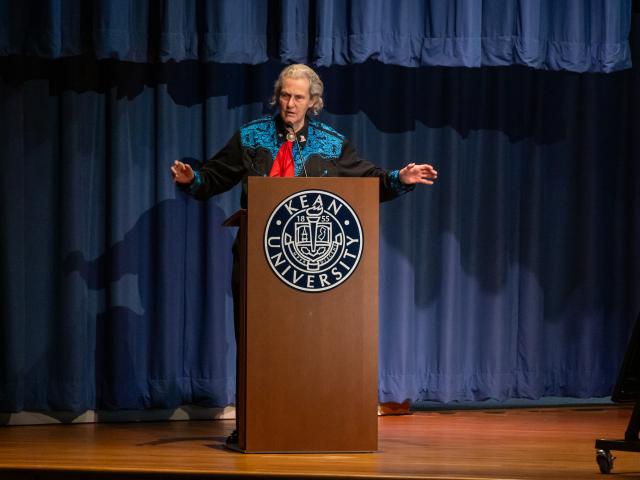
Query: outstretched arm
column 218, row 174
column 422, row 173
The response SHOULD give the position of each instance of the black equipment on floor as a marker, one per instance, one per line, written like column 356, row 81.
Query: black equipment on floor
column 627, row 389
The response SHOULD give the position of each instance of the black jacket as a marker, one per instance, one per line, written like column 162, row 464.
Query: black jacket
column 322, row 152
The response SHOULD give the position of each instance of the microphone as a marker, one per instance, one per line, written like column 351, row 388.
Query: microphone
column 289, row 125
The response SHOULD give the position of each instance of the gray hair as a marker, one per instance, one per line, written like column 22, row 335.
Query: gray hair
column 299, row 70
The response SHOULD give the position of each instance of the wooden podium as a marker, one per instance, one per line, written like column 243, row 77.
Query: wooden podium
column 307, row 359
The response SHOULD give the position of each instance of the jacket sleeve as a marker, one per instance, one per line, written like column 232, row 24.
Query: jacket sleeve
column 351, row 165
column 220, row 173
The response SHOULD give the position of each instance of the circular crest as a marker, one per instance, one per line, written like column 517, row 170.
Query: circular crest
column 313, row 241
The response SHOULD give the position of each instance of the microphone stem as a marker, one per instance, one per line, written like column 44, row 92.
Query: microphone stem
column 295, row 139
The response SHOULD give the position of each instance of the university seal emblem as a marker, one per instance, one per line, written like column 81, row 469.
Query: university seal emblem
column 313, row 241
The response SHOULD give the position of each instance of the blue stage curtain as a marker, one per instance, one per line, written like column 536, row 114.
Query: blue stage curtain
column 576, row 35
column 517, row 275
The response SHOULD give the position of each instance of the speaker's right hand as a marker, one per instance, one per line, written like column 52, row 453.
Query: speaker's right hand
column 182, row 172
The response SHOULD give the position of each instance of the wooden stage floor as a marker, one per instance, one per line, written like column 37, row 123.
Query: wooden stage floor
column 525, row 443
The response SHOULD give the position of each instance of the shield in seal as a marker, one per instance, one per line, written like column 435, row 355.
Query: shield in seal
column 313, row 240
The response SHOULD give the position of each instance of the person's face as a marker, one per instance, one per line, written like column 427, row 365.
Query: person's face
column 294, row 101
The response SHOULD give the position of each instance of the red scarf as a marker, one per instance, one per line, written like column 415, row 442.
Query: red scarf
column 283, row 165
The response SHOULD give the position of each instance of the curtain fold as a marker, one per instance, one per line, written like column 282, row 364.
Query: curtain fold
column 575, row 35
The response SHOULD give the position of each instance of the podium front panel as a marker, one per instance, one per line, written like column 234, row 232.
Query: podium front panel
column 310, row 352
